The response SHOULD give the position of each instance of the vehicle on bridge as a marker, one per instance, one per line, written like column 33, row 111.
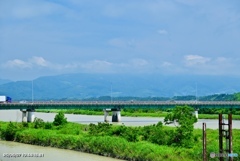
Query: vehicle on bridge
column 5, row 99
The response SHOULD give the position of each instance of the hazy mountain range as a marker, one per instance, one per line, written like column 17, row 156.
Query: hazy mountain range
column 82, row 86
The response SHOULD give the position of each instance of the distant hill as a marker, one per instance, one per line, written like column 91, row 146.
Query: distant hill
column 3, row 81
column 83, row 86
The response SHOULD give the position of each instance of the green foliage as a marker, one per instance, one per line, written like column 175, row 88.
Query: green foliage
column 183, row 115
column 48, row 125
column 150, row 143
column 38, row 123
column 11, row 131
column 59, row 119
column 236, row 96
column 102, row 145
column 76, row 129
column 100, row 129
column 25, row 124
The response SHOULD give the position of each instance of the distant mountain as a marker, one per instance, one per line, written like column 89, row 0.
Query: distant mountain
column 3, row 81
column 82, row 86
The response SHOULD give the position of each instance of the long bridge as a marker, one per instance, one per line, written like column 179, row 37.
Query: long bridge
column 114, row 106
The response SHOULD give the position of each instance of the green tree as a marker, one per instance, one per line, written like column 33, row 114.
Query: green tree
column 59, row 119
column 236, row 97
column 185, row 118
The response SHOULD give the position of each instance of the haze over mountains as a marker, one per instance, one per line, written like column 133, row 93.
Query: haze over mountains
column 82, row 86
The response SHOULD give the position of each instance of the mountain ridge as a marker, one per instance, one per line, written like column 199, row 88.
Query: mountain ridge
column 82, row 86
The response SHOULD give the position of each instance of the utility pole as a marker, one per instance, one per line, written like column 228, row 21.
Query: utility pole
column 227, row 133
column 204, row 142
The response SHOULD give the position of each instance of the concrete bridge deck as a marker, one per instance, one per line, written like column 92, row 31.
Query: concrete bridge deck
column 116, row 104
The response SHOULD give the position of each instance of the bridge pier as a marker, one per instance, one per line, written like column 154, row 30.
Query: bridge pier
column 28, row 115
column 24, row 115
column 106, row 114
column 31, row 116
column 116, row 114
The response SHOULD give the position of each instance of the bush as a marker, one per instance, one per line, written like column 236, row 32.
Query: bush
column 59, row 119
column 25, row 124
column 48, row 125
column 38, row 123
column 11, row 131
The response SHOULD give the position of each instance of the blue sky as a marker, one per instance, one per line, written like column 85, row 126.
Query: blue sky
column 184, row 37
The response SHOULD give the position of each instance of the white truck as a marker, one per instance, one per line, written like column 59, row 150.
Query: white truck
column 5, row 99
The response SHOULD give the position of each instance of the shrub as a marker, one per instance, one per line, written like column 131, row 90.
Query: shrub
column 48, row 125
column 25, row 124
column 11, row 131
column 59, row 119
column 38, row 123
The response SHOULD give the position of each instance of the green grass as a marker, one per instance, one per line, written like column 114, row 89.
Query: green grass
column 77, row 137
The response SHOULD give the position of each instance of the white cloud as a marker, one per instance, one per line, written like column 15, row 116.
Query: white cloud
column 16, row 63
column 214, row 66
column 38, row 61
column 30, row 63
column 193, row 60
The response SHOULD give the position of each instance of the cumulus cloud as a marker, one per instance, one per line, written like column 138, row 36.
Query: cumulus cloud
column 38, row 61
column 192, row 60
column 30, row 63
column 214, row 66
column 16, row 63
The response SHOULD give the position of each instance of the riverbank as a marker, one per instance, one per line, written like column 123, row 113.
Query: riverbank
column 140, row 113
column 129, row 143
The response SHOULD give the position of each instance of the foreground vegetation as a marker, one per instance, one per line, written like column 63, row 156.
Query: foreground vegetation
column 154, row 142
column 130, row 143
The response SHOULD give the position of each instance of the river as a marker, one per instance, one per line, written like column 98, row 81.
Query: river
column 16, row 115
column 21, row 151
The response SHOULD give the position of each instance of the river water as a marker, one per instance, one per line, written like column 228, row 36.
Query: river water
column 25, row 151
column 63, row 154
column 16, row 115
